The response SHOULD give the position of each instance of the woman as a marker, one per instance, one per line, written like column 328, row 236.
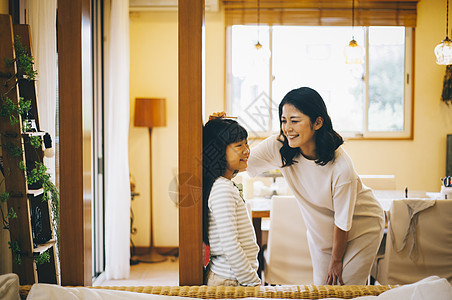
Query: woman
column 344, row 220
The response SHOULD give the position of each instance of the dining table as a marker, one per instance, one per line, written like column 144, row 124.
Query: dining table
column 260, row 207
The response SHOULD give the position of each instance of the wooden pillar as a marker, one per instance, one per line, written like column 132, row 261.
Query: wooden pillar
column 191, row 21
column 74, row 75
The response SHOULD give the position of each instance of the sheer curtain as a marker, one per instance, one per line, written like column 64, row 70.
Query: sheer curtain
column 42, row 20
column 117, row 198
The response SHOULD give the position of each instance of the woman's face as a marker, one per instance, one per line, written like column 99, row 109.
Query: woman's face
column 237, row 157
column 299, row 130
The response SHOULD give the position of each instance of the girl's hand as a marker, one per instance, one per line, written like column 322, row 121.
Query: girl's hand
column 335, row 273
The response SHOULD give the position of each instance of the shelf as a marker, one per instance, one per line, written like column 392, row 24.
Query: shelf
column 34, row 133
column 26, row 203
column 44, row 247
column 35, row 192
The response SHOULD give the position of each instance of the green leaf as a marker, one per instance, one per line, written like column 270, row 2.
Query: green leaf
column 38, row 174
column 4, row 197
column 12, row 214
column 24, row 106
column 36, row 141
column 24, row 60
column 14, row 246
column 42, row 258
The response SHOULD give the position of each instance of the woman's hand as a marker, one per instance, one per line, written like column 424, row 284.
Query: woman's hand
column 335, row 268
column 335, row 273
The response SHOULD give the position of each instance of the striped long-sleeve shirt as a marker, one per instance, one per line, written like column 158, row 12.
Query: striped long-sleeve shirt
column 232, row 240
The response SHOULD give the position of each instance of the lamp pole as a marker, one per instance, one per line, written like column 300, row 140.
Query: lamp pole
column 150, row 112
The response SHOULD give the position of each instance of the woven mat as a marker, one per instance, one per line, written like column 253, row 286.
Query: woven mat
column 233, row 292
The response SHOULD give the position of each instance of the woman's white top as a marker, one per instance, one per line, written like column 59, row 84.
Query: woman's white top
column 233, row 247
column 327, row 195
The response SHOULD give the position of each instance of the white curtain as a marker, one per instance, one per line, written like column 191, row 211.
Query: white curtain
column 42, row 20
column 117, row 195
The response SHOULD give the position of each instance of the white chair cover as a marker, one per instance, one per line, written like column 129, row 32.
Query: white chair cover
column 287, row 258
column 419, row 242
column 379, row 182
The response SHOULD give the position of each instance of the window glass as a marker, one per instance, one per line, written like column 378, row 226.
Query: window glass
column 386, row 78
column 250, row 78
column 314, row 57
column 361, row 102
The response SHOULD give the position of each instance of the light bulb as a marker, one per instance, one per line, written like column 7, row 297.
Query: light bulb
column 262, row 53
column 49, row 152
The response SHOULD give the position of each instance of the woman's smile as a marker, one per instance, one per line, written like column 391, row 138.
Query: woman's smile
column 299, row 130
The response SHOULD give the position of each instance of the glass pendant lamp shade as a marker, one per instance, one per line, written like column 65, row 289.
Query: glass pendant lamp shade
column 443, row 50
column 354, row 53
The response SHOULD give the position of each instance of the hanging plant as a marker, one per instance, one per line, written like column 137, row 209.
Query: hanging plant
column 42, row 258
column 15, row 249
column 446, row 96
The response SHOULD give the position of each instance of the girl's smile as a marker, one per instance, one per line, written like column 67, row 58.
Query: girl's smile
column 237, row 158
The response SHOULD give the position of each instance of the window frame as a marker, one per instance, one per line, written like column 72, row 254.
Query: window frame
column 406, row 134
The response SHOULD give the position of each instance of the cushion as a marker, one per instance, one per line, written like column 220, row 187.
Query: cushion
column 9, row 287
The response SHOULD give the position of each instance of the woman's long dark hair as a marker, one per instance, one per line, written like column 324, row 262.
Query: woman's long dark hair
column 217, row 135
column 310, row 103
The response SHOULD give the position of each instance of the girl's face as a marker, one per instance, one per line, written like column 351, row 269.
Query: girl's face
column 237, row 158
column 299, row 130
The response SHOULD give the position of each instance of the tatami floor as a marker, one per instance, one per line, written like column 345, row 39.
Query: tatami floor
column 157, row 274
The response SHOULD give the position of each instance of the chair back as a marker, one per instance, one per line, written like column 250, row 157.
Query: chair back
column 417, row 246
column 379, row 182
column 287, row 258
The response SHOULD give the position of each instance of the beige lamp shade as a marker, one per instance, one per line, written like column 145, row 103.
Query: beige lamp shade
column 150, row 112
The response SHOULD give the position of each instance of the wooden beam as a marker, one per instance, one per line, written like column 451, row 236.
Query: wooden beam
column 191, row 21
column 74, row 63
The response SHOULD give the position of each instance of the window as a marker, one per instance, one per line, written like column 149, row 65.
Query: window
column 372, row 100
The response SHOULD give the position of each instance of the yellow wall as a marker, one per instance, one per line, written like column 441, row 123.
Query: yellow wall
column 4, row 7
column 154, row 73
column 417, row 163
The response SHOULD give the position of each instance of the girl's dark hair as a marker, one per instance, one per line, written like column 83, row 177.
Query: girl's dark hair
column 310, row 103
column 217, row 135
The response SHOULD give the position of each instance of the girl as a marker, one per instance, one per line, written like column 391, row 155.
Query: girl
column 227, row 228
column 344, row 220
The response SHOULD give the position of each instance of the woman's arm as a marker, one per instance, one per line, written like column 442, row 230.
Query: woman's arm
column 335, row 267
column 264, row 157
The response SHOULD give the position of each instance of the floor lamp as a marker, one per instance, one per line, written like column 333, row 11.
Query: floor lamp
column 150, row 113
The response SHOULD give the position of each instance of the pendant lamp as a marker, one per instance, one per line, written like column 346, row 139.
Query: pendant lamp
column 262, row 54
column 354, row 53
column 258, row 45
column 443, row 50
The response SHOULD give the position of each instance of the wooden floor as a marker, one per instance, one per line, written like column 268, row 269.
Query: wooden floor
column 143, row 274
